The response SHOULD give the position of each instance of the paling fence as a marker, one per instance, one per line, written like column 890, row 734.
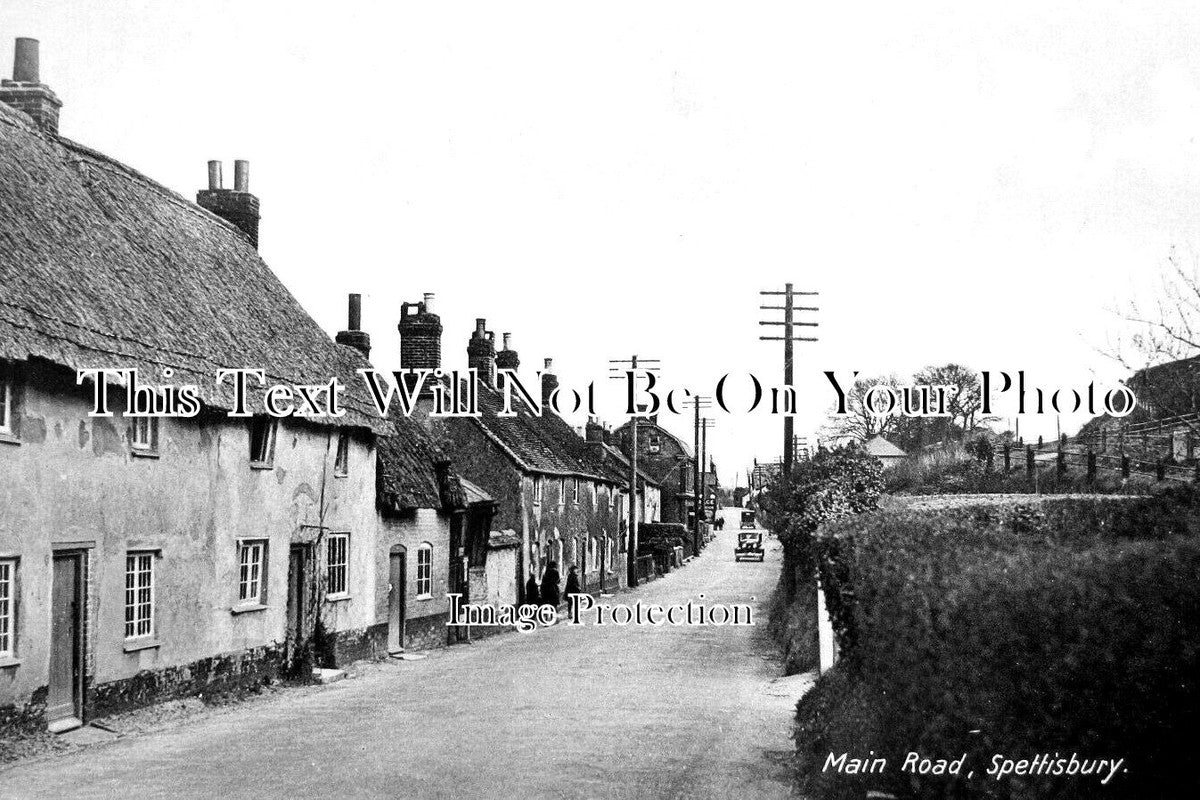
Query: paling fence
column 1167, row 449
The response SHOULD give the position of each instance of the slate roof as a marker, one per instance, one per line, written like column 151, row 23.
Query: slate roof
column 882, row 448
column 546, row 445
column 102, row 267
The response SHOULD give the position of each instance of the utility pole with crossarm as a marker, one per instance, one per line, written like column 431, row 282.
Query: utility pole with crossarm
column 789, row 325
column 646, row 365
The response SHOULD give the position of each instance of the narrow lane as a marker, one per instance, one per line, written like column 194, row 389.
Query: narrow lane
column 568, row 711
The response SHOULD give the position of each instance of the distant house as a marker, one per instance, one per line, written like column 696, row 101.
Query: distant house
column 550, row 488
column 885, row 451
column 141, row 557
column 668, row 461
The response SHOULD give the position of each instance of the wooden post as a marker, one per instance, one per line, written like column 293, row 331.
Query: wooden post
column 1029, row 460
column 1007, row 458
column 1062, row 462
column 1125, row 466
column 1091, row 465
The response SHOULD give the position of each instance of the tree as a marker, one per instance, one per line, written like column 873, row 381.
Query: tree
column 858, row 423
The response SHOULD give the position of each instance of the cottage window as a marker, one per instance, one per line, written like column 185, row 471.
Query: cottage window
column 252, row 578
column 6, row 415
column 262, row 442
column 562, row 491
column 655, row 445
column 537, row 489
column 139, row 595
column 425, row 570
column 575, row 491
column 337, row 565
column 8, row 616
column 341, row 463
column 145, row 434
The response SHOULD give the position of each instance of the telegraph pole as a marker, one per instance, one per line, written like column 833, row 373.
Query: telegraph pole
column 789, row 324
column 631, row 547
column 698, row 402
column 705, row 424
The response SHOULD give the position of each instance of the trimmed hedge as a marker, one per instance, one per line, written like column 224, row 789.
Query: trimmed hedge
column 1072, row 626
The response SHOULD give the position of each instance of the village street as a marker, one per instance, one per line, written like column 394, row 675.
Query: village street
column 691, row 711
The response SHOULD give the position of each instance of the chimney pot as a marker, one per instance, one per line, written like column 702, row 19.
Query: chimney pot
column 429, row 302
column 353, row 337
column 549, row 364
column 508, row 341
column 480, row 325
column 241, row 175
column 354, row 321
column 25, row 60
column 215, row 178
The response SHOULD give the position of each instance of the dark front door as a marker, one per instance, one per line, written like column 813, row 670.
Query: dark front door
column 297, row 565
column 65, row 697
column 396, row 594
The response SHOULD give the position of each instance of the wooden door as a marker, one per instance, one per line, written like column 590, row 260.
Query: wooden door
column 297, row 564
column 64, row 700
column 396, row 595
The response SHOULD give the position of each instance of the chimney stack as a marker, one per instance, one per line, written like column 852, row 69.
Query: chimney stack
column 237, row 205
column 507, row 358
column 25, row 92
column 549, row 382
column 595, row 432
column 481, row 352
column 420, row 335
column 360, row 340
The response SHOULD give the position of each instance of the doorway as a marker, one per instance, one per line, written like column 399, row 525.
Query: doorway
column 397, row 591
column 64, row 700
column 296, row 603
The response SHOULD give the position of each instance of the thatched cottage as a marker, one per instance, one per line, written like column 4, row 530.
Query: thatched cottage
column 143, row 557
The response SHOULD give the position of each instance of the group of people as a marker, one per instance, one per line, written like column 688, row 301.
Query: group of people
column 547, row 593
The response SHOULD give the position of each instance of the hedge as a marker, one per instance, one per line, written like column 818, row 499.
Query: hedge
column 1070, row 626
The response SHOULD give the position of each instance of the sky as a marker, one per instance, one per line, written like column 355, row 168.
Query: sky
column 960, row 183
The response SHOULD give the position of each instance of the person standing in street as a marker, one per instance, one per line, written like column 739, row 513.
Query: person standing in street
column 532, row 595
column 550, row 581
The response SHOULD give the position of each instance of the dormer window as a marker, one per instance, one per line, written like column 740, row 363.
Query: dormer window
column 655, row 444
column 262, row 442
column 6, row 400
column 341, row 463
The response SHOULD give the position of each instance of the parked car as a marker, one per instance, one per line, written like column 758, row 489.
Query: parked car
column 748, row 520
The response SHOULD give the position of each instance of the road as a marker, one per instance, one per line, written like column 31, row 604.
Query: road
column 563, row 712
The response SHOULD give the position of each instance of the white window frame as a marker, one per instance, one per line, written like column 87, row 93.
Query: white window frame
column 424, row 571
column 140, row 593
column 340, row 588
column 268, row 461
column 145, row 434
column 341, row 460
column 537, row 490
column 8, row 608
column 6, row 398
column 252, row 572
column 575, row 490
column 562, row 491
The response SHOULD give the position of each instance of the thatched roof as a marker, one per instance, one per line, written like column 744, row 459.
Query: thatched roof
column 411, row 471
column 100, row 267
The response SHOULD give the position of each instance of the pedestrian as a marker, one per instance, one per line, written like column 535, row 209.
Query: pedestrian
column 532, row 596
column 550, row 580
column 572, row 584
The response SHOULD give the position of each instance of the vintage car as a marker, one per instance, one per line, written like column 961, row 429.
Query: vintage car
column 748, row 520
column 749, row 547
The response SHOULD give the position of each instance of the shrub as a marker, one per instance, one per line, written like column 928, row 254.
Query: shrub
column 1070, row 626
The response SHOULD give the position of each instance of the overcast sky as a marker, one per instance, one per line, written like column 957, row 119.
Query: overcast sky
column 608, row 178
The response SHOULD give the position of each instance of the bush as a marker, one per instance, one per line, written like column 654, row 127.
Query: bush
column 1070, row 626
column 833, row 484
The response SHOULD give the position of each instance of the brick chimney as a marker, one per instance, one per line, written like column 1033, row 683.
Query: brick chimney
column 25, row 92
column 549, row 382
column 360, row 340
column 420, row 335
column 507, row 357
column 481, row 352
column 236, row 206
column 595, row 432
